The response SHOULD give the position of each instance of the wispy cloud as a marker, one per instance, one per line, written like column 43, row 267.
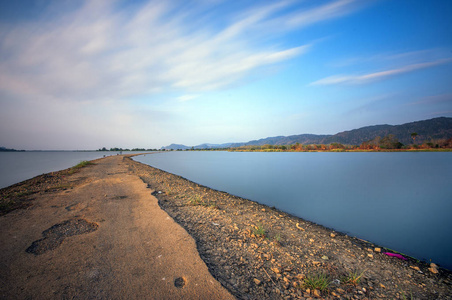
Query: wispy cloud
column 187, row 97
column 102, row 51
column 434, row 99
column 370, row 77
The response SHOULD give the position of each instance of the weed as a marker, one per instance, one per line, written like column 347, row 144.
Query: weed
column 24, row 193
column 259, row 230
column 318, row 281
column 404, row 296
column 195, row 200
column 80, row 165
column 353, row 277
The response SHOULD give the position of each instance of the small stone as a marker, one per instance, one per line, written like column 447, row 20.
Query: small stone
column 377, row 250
column 263, row 209
column 276, row 270
column 433, row 270
column 415, row 268
column 316, row 293
column 277, row 291
column 257, row 281
column 325, row 257
column 300, row 276
column 341, row 291
column 332, row 235
column 382, row 286
column 433, row 265
column 370, row 255
column 311, row 240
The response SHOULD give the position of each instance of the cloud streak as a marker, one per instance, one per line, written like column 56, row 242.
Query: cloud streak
column 375, row 76
column 102, row 50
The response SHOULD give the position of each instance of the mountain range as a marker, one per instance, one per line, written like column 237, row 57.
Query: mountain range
column 437, row 128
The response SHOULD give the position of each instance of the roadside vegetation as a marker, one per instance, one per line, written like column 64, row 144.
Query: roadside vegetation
column 80, row 165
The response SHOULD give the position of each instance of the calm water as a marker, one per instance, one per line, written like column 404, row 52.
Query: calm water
column 18, row 166
column 402, row 201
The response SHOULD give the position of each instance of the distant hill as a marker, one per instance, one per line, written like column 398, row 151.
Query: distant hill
column 437, row 128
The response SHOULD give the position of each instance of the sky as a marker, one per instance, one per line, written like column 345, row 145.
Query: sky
column 144, row 74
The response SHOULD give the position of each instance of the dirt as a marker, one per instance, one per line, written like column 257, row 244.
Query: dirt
column 103, row 236
column 254, row 251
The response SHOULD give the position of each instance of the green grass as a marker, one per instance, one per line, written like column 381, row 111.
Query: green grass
column 353, row 277
column 259, row 231
column 80, row 165
column 318, row 281
column 195, row 201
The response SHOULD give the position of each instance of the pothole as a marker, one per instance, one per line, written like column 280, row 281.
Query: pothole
column 54, row 236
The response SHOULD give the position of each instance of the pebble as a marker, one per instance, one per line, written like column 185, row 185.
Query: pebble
column 257, row 281
column 316, row 293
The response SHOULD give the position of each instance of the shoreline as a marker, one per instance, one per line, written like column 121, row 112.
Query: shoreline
column 227, row 231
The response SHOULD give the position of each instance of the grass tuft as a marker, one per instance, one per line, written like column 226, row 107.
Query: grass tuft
column 259, row 231
column 318, row 281
column 80, row 165
column 353, row 277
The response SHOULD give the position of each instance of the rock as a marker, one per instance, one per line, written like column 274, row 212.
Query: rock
column 433, row 265
column 276, row 270
column 332, row 235
column 325, row 257
column 257, row 281
column 370, row 255
column 378, row 250
column 415, row 268
column 433, row 270
column 316, row 293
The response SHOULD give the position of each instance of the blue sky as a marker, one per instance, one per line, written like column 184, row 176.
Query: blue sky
column 89, row 74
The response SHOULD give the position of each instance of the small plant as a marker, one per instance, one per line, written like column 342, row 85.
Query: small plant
column 259, row 230
column 80, row 165
column 353, row 277
column 195, row 201
column 404, row 296
column 319, row 281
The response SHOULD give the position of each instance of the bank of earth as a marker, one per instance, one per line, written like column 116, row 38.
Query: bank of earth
column 257, row 252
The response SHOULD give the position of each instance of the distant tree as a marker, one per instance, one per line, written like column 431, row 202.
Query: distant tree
column 390, row 142
column 413, row 136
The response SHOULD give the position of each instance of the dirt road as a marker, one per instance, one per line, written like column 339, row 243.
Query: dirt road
column 104, row 238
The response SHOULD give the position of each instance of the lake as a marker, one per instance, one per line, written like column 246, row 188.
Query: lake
column 19, row 166
column 399, row 200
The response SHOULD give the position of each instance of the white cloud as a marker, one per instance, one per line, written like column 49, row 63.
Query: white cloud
column 103, row 51
column 370, row 77
column 187, row 97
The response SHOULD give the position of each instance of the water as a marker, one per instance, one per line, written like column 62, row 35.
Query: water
column 402, row 201
column 18, row 166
